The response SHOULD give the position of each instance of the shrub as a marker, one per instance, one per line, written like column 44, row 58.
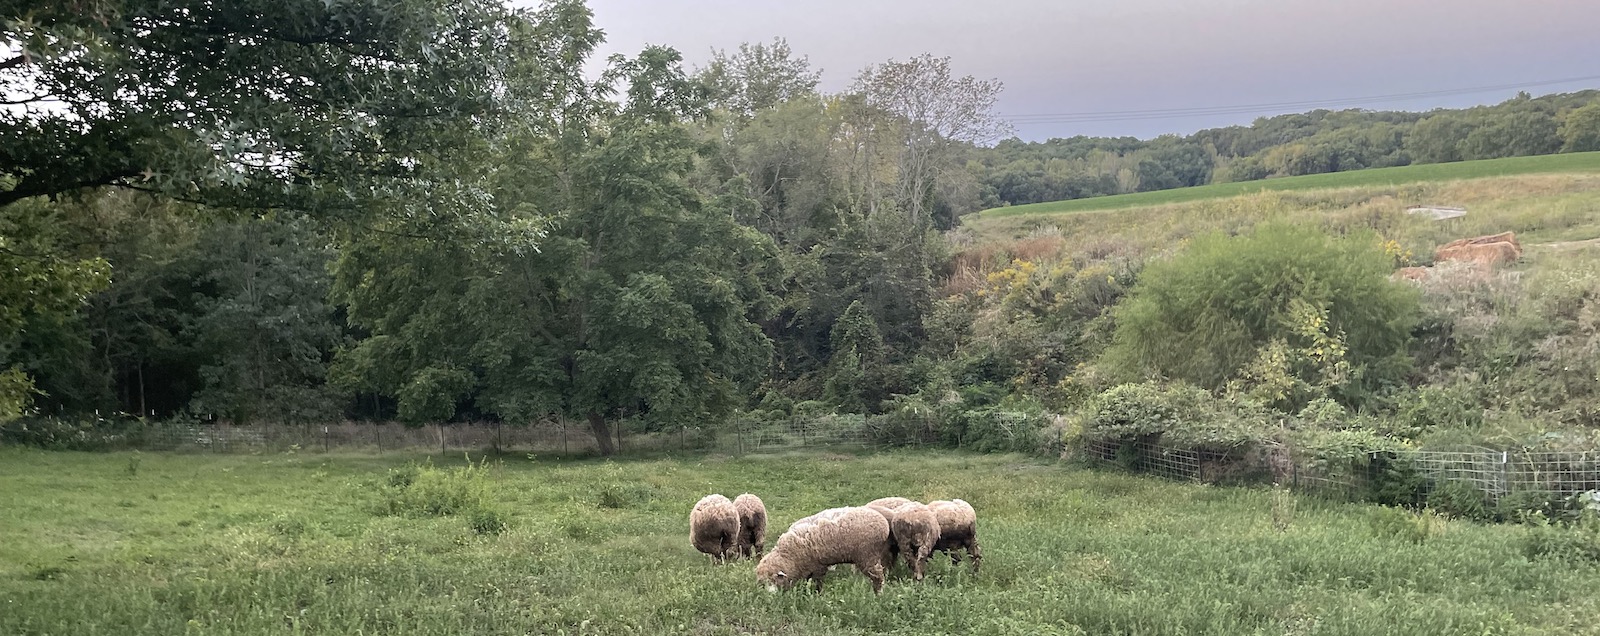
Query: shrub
column 486, row 521
column 1205, row 314
column 85, row 434
column 1578, row 542
column 625, row 495
column 1411, row 527
column 427, row 491
column 1461, row 500
column 992, row 430
column 1527, row 505
column 1379, row 465
column 1145, row 410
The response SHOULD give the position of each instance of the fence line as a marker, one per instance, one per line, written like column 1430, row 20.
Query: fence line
column 1495, row 473
column 553, row 436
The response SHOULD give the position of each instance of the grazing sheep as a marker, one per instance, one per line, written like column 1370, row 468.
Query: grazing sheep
column 913, row 531
column 714, row 527
column 858, row 536
column 958, row 529
column 888, row 503
column 752, row 525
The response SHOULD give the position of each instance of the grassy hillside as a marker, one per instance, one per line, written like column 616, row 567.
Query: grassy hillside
column 205, row 544
column 1575, row 162
column 1540, row 208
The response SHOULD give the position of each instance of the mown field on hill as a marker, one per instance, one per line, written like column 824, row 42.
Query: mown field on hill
column 1423, row 173
column 196, row 544
column 1540, row 208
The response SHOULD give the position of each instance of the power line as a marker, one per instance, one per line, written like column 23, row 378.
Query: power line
column 1240, row 109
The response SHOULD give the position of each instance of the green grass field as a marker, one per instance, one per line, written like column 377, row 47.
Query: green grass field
column 292, row 544
column 1574, row 162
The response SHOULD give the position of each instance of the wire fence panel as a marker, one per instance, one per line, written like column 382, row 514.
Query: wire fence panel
column 1495, row 473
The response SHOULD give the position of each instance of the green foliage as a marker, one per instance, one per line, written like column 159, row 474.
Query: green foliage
column 856, row 362
column 1454, row 406
column 1203, row 315
column 45, row 277
column 1461, row 500
column 326, row 106
column 643, row 299
column 625, row 495
column 266, row 331
column 1580, row 130
column 1577, row 544
column 432, row 394
column 1410, row 527
column 429, row 491
column 73, row 433
column 1133, row 411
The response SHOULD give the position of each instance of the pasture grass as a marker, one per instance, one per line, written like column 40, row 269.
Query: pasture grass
column 1539, row 208
column 149, row 543
column 1422, row 173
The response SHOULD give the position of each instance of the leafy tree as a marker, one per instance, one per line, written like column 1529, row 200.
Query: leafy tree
column 1516, row 134
column 123, row 349
column 1580, row 130
column 266, row 333
column 1437, row 139
column 260, row 103
column 1205, row 314
column 857, row 360
column 641, row 300
column 756, row 78
column 937, row 111
column 45, row 277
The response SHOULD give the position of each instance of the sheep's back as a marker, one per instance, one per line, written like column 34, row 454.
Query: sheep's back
column 837, row 535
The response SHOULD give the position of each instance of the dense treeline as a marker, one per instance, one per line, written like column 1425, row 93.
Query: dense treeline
column 460, row 225
column 1015, row 172
column 453, row 223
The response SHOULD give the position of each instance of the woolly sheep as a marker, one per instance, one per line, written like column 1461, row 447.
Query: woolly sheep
column 752, row 541
column 913, row 531
column 958, row 529
column 714, row 527
column 859, row 536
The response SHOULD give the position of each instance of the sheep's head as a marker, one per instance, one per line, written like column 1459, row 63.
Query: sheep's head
column 776, row 572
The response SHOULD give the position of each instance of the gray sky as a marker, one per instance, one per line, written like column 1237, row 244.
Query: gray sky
column 1067, row 56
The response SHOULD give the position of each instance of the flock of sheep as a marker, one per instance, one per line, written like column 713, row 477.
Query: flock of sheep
column 870, row 537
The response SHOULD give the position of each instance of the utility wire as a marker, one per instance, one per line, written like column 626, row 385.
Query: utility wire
column 1169, row 113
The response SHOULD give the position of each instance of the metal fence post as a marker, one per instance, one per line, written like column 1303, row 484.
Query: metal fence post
column 1505, row 477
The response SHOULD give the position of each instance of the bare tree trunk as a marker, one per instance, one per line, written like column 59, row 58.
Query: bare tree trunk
column 602, row 433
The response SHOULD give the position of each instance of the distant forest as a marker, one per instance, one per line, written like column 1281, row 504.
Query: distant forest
column 1015, row 172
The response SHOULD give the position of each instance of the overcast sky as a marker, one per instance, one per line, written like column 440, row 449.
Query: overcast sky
column 1091, row 56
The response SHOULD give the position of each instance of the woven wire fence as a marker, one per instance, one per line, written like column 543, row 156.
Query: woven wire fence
column 1495, row 473
column 553, row 436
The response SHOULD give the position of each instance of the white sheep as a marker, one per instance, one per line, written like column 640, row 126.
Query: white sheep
column 958, row 529
column 913, row 531
column 752, row 540
column 859, row 536
column 714, row 527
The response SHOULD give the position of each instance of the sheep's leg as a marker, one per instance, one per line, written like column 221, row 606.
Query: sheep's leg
column 875, row 574
column 816, row 581
column 919, row 562
column 972, row 551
